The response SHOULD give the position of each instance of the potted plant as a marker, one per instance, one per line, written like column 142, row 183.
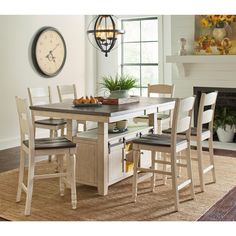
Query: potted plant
column 224, row 124
column 119, row 85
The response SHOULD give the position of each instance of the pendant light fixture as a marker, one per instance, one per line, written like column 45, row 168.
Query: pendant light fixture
column 104, row 32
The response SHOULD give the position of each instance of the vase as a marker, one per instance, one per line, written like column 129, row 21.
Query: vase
column 219, row 33
column 226, row 135
column 119, row 94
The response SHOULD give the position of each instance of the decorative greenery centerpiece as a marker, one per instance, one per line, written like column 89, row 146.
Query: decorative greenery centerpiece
column 224, row 124
column 119, row 85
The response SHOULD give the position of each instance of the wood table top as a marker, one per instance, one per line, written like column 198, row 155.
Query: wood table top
column 107, row 110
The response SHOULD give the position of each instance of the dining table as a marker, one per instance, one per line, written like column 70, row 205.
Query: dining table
column 103, row 115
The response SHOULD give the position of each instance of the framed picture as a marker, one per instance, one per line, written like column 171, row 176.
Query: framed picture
column 215, row 35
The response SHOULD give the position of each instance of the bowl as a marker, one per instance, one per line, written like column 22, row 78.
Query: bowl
column 111, row 126
column 122, row 125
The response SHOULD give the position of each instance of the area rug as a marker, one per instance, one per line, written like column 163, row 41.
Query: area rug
column 223, row 210
column 47, row 205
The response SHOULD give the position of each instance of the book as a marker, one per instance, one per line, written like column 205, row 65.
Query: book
column 119, row 101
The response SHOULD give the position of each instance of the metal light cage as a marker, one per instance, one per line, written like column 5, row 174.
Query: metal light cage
column 104, row 33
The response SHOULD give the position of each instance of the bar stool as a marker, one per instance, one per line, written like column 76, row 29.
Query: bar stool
column 167, row 144
column 67, row 93
column 41, row 96
column 161, row 90
column 204, row 131
column 58, row 146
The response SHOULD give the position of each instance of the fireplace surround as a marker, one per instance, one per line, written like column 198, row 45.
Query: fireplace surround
column 226, row 98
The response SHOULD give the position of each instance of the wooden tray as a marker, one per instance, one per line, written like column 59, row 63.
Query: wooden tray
column 88, row 105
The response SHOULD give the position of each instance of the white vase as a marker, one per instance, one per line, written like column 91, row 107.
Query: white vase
column 226, row 135
column 219, row 33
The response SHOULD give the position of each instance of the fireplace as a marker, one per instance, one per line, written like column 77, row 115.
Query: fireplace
column 226, row 98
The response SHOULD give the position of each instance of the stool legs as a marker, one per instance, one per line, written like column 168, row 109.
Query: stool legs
column 189, row 171
column 30, row 183
column 153, row 178
column 73, row 181
column 61, row 179
column 200, row 165
column 211, row 153
column 135, row 176
column 21, row 175
column 174, row 180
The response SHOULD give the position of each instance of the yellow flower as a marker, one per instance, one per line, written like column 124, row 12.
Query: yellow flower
column 204, row 22
column 215, row 18
column 229, row 18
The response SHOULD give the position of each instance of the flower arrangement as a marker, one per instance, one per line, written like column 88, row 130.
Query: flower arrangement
column 215, row 34
column 217, row 20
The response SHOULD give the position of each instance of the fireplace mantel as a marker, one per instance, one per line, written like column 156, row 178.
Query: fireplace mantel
column 182, row 61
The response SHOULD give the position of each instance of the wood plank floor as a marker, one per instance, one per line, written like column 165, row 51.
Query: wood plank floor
column 223, row 210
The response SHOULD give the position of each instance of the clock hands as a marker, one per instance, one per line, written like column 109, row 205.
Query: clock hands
column 50, row 55
column 54, row 48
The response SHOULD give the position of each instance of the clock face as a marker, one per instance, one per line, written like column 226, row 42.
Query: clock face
column 49, row 52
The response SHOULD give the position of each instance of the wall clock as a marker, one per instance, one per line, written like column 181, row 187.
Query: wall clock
column 48, row 52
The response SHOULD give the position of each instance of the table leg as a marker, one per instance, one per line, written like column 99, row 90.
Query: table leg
column 102, row 158
column 153, row 121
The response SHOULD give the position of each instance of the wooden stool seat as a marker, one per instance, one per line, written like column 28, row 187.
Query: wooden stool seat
column 193, row 131
column 158, row 139
column 160, row 116
column 51, row 121
column 51, row 143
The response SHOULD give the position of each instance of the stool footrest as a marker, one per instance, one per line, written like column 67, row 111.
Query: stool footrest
column 184, row 184
column 24, row 187
column 208, row 169
column 47, row 176
column 154, row 171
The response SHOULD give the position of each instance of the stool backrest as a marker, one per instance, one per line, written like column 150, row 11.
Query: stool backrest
column 182, row 118
column 161, row 90
column 206, row 110
column 39, row 96
column 26, row 125
column 66, row 92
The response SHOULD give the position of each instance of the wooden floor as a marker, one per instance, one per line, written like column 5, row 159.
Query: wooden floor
column 223, row 210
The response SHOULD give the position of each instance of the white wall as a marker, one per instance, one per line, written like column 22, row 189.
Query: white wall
column 16, row 72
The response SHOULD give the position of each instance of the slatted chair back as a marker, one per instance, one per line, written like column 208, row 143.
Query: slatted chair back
column 161, row 90
column 206, row 111
column 66, row 93
column 26, row 125
column 39, row 96
column 182, row 117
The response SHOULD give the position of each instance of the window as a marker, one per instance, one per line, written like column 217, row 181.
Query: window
column 139, row 51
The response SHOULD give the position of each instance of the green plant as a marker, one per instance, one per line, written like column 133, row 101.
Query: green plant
column 119, row 82
column 223, row 117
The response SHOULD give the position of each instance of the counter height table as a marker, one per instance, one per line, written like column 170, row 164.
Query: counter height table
column 103, row 115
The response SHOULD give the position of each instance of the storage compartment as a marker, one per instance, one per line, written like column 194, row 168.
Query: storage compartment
column 120, row 160
column 86, row 162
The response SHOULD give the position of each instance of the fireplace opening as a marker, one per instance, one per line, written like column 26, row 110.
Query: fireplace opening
column 226, row 99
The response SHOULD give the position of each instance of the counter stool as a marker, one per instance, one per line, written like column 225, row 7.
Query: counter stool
column 67, row 93
column 167, row 144
column 41, row 96
column 58, row 146
column 161, row 90
column 201, row 133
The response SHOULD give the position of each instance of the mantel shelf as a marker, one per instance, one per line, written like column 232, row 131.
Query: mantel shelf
column 181, row 61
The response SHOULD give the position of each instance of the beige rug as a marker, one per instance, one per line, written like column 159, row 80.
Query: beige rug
column 48, row 205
